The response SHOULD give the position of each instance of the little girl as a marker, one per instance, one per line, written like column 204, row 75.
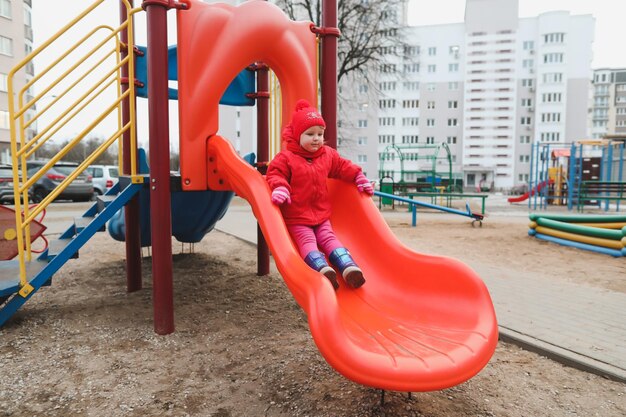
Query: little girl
column 297, row 177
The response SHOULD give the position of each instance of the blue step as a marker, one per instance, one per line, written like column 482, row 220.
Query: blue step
column 10, row 272
column 55, row 247
column 41, row 271
column 104, row 200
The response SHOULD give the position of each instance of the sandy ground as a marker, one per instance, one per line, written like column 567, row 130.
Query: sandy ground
column 84, row 347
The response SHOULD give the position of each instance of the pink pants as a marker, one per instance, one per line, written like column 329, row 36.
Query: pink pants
column 309, row 238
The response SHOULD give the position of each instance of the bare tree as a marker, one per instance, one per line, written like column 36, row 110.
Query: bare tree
column 80, row 151
column 371, row 32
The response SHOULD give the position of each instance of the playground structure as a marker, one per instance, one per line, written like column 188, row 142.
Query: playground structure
column 422, row 323
column 597, row 233
column 427, row 181
column 583, row 173
column 428, row 176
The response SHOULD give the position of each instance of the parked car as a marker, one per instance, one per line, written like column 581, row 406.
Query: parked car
column 104, row 177
column 6, row 184
column 81, row 189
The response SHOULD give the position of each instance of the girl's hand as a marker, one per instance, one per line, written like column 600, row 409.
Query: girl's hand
column 280, row 195
column 363, row 184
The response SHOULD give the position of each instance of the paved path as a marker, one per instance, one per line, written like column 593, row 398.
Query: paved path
column 577, row 325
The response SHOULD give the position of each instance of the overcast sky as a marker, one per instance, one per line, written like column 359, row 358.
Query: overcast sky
column 610, row 31
column 608, row 49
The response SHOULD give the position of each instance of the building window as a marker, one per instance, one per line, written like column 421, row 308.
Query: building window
column 362, row 158
column 552, row 78
column 451, row 140
column 432, row 51
column 362, row 140
column 525, row 121
column 5, row 8
column 430, row 105
column 385, row 121
column 453, row 104
column 410, row 104
column 4, row 120
column 387, row 86
column 409, row 139
column 362, row 123
column 453, row 85
column 410, row 121
column 4, row 82
column 528, row 45
column 551, row 97
column 554, row 38
column 431, row 86
column 524, row 139
column 430, row 140
column 553, row 58
column 6, row 46
column 527, row 82
column 363, row 88
column 528, row 63
column 387, row 104
column 430, row 122
column 550, row 117
column 410, row 85
column 411, row 50
column 453, row 67
column 432, row 68
column 527, row 102
column 408, row 68
column 453, row 122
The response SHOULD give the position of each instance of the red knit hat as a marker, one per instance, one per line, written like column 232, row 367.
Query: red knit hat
column 304, row 117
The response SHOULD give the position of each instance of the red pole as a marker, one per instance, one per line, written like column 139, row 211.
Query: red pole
column 131, row 211
column 262, row 103
column 328, row 70
column 160, row 205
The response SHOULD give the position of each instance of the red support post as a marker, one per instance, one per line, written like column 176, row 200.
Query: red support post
column 262, row 103
column 131, row 211
column 328, row 69
column 160, row 201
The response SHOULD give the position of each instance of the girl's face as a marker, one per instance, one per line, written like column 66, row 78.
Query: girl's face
column 312, row 139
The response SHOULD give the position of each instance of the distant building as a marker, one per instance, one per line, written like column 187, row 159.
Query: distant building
column 608, row 107
column 487, row 88
column 16, row 37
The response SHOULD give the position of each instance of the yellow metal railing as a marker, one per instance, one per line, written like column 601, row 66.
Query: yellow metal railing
column 23, row 113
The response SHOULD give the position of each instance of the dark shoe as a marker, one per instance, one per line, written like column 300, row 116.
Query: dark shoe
column 342, row 260
column 317, row 261
column 353, row 276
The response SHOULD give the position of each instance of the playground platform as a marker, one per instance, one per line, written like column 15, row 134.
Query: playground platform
column 577, row 325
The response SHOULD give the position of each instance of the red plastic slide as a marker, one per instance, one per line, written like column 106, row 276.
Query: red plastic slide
column 532, row 192
column 419, row 323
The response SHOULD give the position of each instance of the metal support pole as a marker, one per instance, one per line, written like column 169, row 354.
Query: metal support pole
column 131, row 211
column 263, row 139
column 160, row 204
column 329, row 72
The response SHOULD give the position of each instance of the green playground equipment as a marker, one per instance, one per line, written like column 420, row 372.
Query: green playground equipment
column 424, row 167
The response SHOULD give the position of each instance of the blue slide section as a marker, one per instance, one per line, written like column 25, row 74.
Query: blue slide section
column 194, row 213
column 235, row 94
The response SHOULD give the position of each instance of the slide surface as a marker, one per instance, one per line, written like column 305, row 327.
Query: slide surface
column 525, row 196
column 419, row 323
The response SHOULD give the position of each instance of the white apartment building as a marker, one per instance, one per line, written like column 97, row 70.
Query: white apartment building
column 487, row 88
column 16, row 36
column 608, row 107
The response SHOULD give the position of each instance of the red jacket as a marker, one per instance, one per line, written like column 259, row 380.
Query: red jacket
column 304, row 174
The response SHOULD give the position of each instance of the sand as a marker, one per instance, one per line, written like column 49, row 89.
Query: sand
column 85, row 347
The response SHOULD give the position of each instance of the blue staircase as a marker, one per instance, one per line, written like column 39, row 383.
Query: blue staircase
column 40, row 271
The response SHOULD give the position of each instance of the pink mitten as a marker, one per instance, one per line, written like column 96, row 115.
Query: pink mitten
column 280, row 195
column 363, row 184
